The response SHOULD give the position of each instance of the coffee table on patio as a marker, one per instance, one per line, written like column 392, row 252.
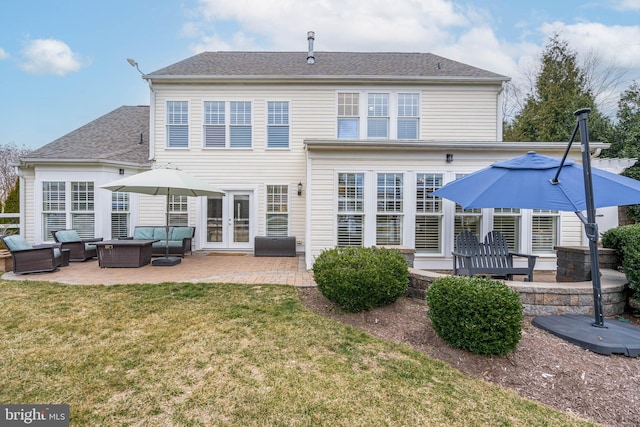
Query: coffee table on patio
column 124, row 253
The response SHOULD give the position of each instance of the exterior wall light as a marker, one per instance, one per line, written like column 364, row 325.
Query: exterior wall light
column 300, row 189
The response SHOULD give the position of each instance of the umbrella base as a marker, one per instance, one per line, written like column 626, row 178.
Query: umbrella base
column 613, row 338
column 167, row 261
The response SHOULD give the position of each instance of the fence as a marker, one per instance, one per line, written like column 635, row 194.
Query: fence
column 10, row 228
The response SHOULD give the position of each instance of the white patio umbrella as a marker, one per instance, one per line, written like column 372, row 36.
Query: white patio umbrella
column 167, row 180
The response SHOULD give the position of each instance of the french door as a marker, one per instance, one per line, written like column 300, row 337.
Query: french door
column 229, row 220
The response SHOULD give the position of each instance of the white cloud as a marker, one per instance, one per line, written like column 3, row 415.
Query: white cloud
column 49, row 56
column 3, row 54
column 626, row 4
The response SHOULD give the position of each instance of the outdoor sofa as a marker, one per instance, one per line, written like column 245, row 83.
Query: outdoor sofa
column 180, row 239
column 29, row 258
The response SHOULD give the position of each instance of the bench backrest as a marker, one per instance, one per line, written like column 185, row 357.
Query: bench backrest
column 493, row 253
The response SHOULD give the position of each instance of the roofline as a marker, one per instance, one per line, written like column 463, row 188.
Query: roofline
column 27, row 161
column 162, row 78
column 394, row 145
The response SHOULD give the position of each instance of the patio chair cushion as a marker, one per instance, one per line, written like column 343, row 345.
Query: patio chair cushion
column 143, row 233
column 179, row 233
column 67, row 236
column 16, row 243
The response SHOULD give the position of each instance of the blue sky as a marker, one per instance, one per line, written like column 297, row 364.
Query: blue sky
column 63, row 64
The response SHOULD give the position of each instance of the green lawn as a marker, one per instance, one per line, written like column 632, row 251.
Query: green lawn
column 232, row 355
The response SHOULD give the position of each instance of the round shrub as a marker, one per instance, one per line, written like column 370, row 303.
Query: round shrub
column 358, row 278
column 626, row 241
column 480, row 315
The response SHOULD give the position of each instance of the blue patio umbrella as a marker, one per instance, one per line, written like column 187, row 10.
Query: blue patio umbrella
column 533, row 181
column 527, row 182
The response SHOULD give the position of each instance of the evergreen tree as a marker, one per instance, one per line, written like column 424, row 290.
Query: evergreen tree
column 560, row 90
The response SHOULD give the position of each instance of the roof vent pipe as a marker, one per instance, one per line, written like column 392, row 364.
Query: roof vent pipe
column 311, row 36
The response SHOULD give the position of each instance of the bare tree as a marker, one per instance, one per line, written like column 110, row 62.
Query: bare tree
column 9, row 154
column 604, row 79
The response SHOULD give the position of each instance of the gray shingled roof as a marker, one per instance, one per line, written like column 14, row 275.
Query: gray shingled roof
column 327, row 64
column 114, row 137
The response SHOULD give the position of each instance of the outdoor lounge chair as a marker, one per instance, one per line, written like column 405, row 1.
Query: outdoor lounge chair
column 79, row 249
column 29, row 258
column 491, row 258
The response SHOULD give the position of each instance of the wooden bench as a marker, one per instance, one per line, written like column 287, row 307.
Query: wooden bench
column 491, row 258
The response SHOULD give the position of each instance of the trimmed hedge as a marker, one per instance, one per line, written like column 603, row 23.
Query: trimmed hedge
column 359, row 279
column 480, row 315
column 626, row 240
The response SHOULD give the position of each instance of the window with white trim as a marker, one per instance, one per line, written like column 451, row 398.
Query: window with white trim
column 350, row 218
column 277, row 210
column 390, row 207
column 178, row 211
column 277, row 124
column 408, row 115
column 215, row 131
column 240, row 124
column 428, row 227
column 119, row 214
column 54, row 216
column 348, row 115
column 378, row 116
column 467, row 219
column 507, row 222
column 177, row 124
column 68, row 205
column 544, row 231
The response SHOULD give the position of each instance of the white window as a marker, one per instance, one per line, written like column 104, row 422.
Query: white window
column 119, row 214
column 390, row 202
column 544, row 231
column 428, row 231
column 350, row 209
column 277, row 210
column 507, row 222
column 278, row 124
column 378, row 116
column 240, row 124
column 68, row 207
column 178, row 211
column 214, row 124
column 408, row 115
column 348, row 115
column 177, row 124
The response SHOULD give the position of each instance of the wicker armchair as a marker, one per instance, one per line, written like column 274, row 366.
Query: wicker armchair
column 79, row 249
column 32, row 259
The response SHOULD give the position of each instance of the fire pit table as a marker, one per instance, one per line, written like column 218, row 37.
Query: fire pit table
column 124, row 253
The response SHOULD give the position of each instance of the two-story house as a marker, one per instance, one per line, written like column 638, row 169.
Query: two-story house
column 334, row 148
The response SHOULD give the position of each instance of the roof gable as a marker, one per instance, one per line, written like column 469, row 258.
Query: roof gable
column 119, row 136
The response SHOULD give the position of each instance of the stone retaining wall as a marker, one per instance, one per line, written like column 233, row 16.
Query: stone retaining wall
column 541, row 299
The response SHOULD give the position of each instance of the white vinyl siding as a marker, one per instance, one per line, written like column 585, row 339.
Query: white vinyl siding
column 177, row 124
column 277, row 124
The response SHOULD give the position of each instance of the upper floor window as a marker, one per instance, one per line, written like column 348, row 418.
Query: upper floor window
column 384, row 116
column 278, row 124
column 408, row 115
column 378, row 115
column 348, row 115
column 240, row 124
column 177, row 124
column 214, row 124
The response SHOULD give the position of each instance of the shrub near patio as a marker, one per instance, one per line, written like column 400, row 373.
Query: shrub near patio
column 480, row 315
column 626, row 241
column 359, row 278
